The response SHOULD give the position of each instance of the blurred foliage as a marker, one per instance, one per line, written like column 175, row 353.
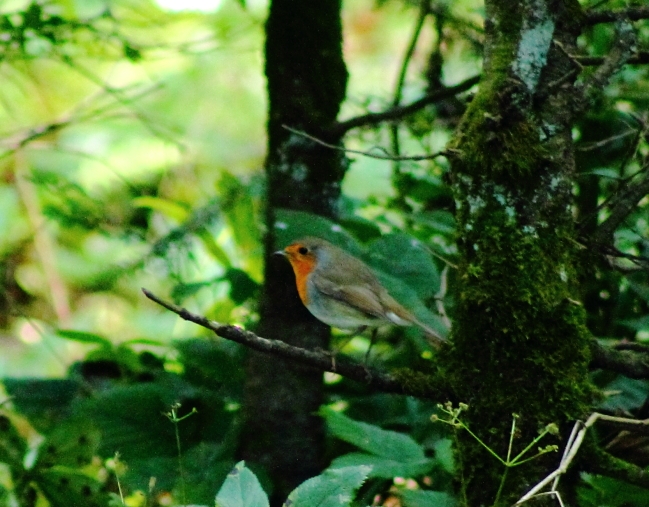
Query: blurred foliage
column 131, row 146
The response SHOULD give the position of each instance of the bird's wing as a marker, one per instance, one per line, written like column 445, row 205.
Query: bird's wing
column 363, row 298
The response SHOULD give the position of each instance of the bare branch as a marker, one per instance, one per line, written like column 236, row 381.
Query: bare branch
column 384, row 156
column 625, row 362
column 621, row 207
column 397, row 113
column 639, row 58
column 623, row 48
column 320, row 360
column 632, row 13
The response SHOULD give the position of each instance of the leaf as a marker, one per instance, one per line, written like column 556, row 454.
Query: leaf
column 444, row 454
column 626, row 394
column 242, row 287
column 440, row 221
column 182, row 291
column 83, row 337
column 64, row 487
column 406, row 259
column 167, row 207
column 597, row 490
column 375, row 440
column 332, row 488
column 71, row 444
column 241, row 489
column 291, row 225
column 419, row 498
column 384, row 468
column 12, row 445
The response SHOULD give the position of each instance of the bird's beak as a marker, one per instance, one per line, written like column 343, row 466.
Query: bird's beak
column 280, row 253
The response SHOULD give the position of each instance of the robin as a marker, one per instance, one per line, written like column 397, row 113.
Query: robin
column 342, row 291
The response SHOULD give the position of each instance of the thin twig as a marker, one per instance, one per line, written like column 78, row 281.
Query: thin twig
column 387, row 156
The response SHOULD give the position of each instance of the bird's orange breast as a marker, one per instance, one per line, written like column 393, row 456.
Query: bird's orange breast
column 303, row 265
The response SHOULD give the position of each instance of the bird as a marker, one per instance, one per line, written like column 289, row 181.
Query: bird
column 342, row 291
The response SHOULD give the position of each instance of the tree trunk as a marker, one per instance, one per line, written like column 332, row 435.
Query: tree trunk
column 520, row 341
column 306, row 84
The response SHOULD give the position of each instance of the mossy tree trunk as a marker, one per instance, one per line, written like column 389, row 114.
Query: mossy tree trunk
column 306, row 85
column 520, row 341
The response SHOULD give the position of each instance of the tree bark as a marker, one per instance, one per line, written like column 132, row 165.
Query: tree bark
column 520, row 340
column 306, row 83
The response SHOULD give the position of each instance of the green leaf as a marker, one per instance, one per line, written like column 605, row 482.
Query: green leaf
column 444, row 454
column 384, row 468
column 167, row 207
column 440, row 221
column 64, row 487
column 242, row 287
column 419, row 498
column 182, row 291
column 213, row 247
column 12, row 445
column 375, row 440
column 406, row 259
column 71, row 444
column 83, row 337
column 332, row 488
column 241, row 489
column 597, row 491
column 624, row 394
column 291, row 225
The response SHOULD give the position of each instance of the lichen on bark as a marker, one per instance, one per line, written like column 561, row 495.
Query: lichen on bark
column 520, row 341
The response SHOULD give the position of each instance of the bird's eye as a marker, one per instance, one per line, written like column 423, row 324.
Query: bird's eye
column 303, row 250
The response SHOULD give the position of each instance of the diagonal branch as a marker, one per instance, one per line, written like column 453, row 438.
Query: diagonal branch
column 625, row 362
column 318, row 359
column 632, row 13
column 339, row 129
column 621, row 207
column 622, row 49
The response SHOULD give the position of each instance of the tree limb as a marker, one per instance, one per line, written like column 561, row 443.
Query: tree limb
column 320, row 360
column 623, row 48
column 639, row 58
column 339, row 129
column 598, row 461
column 632, row 13
column 621, row 207
column 625, row 362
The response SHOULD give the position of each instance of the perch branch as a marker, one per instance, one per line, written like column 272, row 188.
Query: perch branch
column 320, row 360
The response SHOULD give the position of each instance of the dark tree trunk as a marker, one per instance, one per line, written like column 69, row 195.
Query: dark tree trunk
column 520, row 341
column 306, row 84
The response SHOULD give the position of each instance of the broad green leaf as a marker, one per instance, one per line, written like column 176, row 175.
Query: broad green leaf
column 419, row 498
column 241, row 489
column 332, row 488
column 406, row 259
column 242, row 287
column 444, row 454
column 213, row 247
column 375, row 440
column 83, row 337
column 168, row 208
column 440, row 221
column 291, row 225
column 182, row 291
column 12, row 445
column 624, row 394
column 384, row 468
column 71, row 444
column 597, row 491
column 236, row 203
column 65, row 487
